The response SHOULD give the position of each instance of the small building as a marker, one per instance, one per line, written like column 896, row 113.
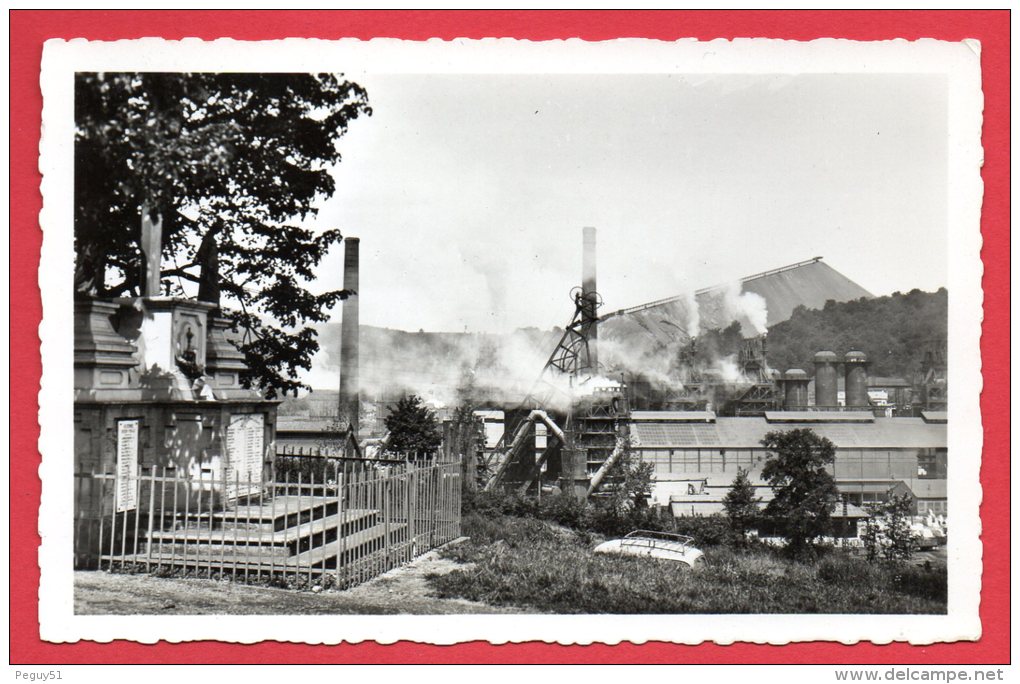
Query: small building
column 927, row 496
column 695, row 498
column 300, row 435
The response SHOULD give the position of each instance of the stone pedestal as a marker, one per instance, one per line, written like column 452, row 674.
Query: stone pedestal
column 159, row 368
column 224, row 363
column 103, row 359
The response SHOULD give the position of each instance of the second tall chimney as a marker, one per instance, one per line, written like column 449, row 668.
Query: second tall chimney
column 590, row 297
column 350, row 398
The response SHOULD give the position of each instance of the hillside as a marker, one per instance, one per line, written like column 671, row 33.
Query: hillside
column 642, row 339
column 891, row 330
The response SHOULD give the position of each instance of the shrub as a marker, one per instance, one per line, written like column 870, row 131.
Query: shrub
column 925, row 582
column 713, row 530
column 565, row 510
column 840, row 569
column 741, row 504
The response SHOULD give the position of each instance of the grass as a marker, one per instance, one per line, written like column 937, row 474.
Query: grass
column 534, row 564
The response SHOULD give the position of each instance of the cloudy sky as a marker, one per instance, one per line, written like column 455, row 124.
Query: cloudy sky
column 469, row 193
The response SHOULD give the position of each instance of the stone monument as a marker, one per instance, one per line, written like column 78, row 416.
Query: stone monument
column 157, row 390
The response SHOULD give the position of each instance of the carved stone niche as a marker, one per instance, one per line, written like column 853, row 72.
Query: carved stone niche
column 103, row 359
column 224, row 362
column 174, row 333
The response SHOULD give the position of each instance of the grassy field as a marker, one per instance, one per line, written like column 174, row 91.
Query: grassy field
column 534, row 564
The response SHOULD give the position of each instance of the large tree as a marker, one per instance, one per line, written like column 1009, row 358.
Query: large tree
column 413, row 430
column 230, row 164
column 805, row 491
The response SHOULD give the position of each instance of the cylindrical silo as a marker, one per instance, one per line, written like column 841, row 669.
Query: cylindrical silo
column 796, row 382
column 826, row 382
column 856, row 374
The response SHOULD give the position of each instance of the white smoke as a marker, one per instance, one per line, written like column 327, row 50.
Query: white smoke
column 639, row 355
column 693, row 314
column 748, row 308
column 505, row 368
column 729, row 371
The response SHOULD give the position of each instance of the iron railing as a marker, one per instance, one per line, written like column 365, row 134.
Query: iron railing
column 346, row 528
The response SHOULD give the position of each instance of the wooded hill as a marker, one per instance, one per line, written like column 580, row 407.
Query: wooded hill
column 891, row 330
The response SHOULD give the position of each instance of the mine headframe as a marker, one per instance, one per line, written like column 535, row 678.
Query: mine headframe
column 576, row 351
column 763, row 394
column 571, row 365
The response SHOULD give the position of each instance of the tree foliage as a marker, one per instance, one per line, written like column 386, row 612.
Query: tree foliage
column 890, row 330
column 805, row 491
column 413, row 429
column 631, row 483
column 741, row 504
column 230, row 163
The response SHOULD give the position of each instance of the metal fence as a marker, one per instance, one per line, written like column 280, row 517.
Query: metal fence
column 344, row 526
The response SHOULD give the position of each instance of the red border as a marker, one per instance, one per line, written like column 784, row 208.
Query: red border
column 28, row 31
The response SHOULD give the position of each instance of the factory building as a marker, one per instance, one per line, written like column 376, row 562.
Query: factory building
column 701, row 452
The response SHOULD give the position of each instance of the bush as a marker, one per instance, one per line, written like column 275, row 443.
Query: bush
column 599, row 517
column 840, row 569
column 714, row 530
column 565, row 510
column 925, row 582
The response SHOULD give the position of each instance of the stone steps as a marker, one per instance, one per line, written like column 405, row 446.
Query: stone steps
column 356, row 547
column 283, row 542
column 285, row 535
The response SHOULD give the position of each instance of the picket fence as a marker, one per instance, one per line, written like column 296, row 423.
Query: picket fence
column 353, row 522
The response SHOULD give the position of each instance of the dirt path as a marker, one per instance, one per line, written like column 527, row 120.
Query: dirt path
column 402, row 590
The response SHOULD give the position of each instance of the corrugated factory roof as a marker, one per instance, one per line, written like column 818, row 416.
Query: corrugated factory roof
column 695, row 507
column 675, row 416
column 745, row 433
column 819, row 417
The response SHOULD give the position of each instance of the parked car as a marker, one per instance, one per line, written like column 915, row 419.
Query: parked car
column 650, row 544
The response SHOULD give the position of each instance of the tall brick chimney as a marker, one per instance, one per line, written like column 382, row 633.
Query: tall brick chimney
column 590, row 296
column 350, row 397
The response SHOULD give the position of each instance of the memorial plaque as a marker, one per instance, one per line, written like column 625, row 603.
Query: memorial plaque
column 244, row 449
column 127, row 465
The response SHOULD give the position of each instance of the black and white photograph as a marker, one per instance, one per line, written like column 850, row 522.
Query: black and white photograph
column 642, row 336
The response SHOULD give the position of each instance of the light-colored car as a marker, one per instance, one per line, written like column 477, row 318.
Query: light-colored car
column 649, row 544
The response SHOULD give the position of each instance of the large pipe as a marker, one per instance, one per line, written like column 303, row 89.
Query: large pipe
column 590, row 296
column 350, row 398
column 856, row 369
column 596, row 479
column 519, row 441
column 826, row 386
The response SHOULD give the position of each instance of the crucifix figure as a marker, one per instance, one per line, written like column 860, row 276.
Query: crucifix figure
column 208, row 258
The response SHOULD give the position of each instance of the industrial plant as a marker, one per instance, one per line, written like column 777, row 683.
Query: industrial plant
column 634, row 382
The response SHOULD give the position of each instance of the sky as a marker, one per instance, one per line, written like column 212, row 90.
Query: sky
column 469, row 192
